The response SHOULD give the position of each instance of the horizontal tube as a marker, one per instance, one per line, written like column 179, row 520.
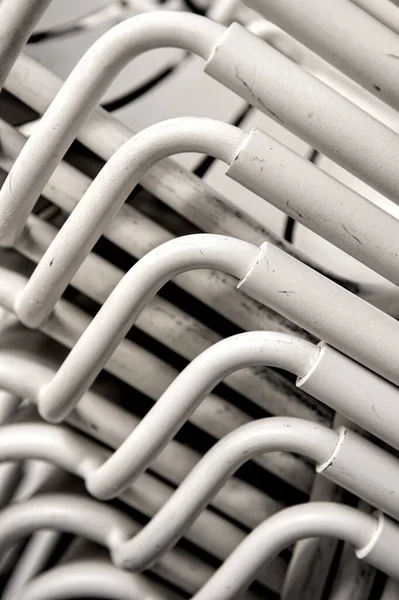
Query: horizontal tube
column 325, row 309
column 376, row 540
column 347, row 44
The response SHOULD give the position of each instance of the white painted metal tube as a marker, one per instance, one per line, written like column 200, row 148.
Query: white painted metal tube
column 354, row 224
column 343, row 456
column 383, row 10
column 80, row 95
column 188, row 390
column 307, row 107
column 296, row 291
column 111, row 425
column 196, row 201
column 181, row 332
column 10, row 473
column 211, row 532
column 104, row 134
column 91, row 578
column 347, row 45
column 374, row 147
column 80, row 456
column 18, row 20
column 127, row 301
column 318, row 201
column 324, row 71
column 107, row 194
column 86, row 518
column 36, row 554
column 375, row 540
column 166, row 417
column 70, row 451
column 267, row 435
column 135, row 366
column 354, row 579
column 363, row 397
column 325, row 309
column 9, row 404
column 340, row 454
column 136, row 234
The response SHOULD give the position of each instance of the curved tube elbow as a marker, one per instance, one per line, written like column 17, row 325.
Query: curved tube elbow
column 94, row 578
column 81, row 93
column 374, row 537
column 189, row 388
column 68, row 513
column 131, row 295
column 177, row 515
column 106, row 195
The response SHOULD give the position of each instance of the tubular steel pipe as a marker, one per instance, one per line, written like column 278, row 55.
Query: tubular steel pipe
column 93, row 520
column 265, row 435
column 106, row 195
column 77, row 99
column 202, row 205
column 166, row 417
column 296, row 291
column 347, row 44
column 257, row 161
column 374, row 539
column 18, row 21
column 181, row 332
column 229, row 61
column 147, row 277
column 79, row 456
column 135, row 366
column 342, row 456
column 92, row 578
